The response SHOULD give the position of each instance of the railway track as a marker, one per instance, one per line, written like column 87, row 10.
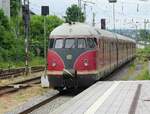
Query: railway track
column 19, row 85
column 45, row 103
column 54, row 101
column 40, row 104
column 8, row 73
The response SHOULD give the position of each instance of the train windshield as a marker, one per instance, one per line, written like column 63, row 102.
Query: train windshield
column 51, row 43
column 70, row 43
column 73, row 43
column 59, row 43
column 81, row 43
column 91, row 42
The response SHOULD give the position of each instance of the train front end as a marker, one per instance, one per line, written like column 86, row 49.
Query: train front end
column 72, row 56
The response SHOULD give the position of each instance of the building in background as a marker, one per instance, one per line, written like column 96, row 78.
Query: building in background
column 5, row 5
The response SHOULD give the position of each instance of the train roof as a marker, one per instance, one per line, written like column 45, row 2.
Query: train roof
column 77, row 29
column 109, row 34
column 73, row 30
column 125, row 38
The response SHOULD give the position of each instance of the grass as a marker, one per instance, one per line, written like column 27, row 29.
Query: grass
column 13, row 64
column 130, row 71
column 143, row 56
column 144, row 74
column 10, row 101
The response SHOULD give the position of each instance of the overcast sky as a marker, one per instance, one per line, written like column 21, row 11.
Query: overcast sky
column 128, row 13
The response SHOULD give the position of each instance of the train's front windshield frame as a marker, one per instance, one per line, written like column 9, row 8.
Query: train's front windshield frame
column 59, row 43
column 70, row 43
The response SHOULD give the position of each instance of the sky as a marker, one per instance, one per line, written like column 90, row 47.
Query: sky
column 128, row 14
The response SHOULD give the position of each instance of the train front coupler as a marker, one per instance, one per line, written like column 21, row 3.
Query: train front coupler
column 70, row 78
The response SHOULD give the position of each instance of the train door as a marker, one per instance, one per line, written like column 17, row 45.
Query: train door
column 113, row 50
column 105, row 54
column 100, row 57
column 109, row 55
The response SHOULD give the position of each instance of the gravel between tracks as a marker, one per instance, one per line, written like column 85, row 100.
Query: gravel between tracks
column 51, row 106
column 33, row 101
column 124, row 73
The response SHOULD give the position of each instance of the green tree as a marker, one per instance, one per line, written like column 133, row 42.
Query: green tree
column 3, row 20
column 8, row 43
column 12, row 49
column 37, row 31
column 15, row 6
column 74, row 14
column 144, row 35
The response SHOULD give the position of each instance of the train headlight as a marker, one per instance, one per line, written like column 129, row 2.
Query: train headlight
column 86, row 62
column 54, row 64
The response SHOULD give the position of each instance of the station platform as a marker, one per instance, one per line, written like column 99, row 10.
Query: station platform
column 110, row 97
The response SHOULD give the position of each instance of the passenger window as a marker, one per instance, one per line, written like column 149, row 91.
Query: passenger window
column 59, row 43
column 70, row 43
column 91, row 43
column 81, row 43
column 51, row 43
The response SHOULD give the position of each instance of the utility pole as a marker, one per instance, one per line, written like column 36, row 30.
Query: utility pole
column 26, row 19
column 86, row 4
column 114, row 18
column 93, row 19
column 79, row 3
column 19, row 3
column 146, row 21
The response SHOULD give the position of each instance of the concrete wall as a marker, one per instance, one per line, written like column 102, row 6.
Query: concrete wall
column 5, row 5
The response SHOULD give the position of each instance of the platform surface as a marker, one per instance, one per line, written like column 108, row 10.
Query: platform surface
column 110, row 97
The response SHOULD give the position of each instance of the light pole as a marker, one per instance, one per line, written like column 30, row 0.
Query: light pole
column 146, row 21
column 136, row 28
column 79, row 3
column 113, row 2
column 114, row 17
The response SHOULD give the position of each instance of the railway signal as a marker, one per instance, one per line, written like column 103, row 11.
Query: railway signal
column 45, row 12
column 103, row 23
column 44, row 78
column 112, row 1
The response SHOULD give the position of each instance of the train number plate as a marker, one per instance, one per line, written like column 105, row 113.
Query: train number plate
column 69, row 57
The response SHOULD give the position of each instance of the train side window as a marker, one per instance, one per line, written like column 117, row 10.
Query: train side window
column 51, row 43
column 81, row 43
column 59, row 43
column 70, row 43
column 91, row 43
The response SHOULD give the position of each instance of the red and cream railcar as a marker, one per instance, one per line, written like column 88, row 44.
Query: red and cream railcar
column 79, row 55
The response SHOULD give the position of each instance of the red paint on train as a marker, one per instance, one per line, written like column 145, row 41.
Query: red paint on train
column 55, row 62
column 86, row 61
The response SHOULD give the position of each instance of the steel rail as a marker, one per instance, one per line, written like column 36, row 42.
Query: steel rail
column 4, row 74
column 40, row 104
column 19, row 85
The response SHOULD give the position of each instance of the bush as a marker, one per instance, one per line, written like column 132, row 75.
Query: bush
column 12, row 48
